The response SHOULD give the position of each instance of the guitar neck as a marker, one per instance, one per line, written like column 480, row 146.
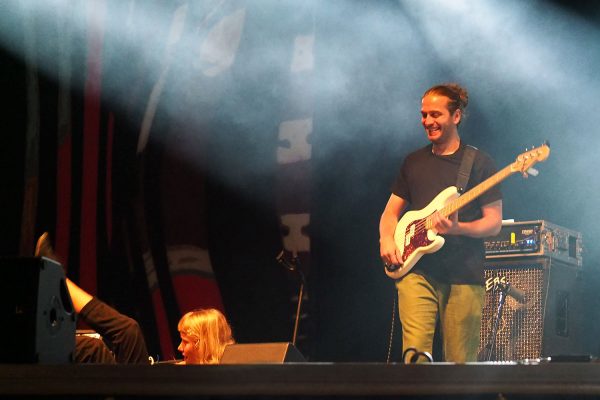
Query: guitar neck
column 474, row 193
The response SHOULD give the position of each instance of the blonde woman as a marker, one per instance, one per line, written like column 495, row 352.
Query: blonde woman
column 204, row 335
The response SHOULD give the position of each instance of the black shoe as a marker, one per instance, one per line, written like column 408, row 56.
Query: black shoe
column 44, row 248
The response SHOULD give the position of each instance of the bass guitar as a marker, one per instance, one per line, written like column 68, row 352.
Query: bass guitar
column 414, row 234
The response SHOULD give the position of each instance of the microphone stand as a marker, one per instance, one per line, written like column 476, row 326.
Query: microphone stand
column 299, row 306
column 489, row 348
column 293, row 265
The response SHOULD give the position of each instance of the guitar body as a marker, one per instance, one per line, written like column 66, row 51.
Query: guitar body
column 413, row 239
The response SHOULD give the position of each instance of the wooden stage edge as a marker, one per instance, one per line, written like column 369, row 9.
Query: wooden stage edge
column 302, row 379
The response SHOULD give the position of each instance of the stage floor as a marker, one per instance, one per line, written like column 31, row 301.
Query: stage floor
column 441, row 380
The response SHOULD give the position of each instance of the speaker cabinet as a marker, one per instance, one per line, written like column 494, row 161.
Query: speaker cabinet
column 261, row 353
column 550, row 321
column 37, row 310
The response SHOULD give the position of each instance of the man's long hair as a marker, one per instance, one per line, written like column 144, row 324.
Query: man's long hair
column 458, row 95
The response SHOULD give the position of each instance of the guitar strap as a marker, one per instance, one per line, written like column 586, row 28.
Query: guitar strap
column 464, row 171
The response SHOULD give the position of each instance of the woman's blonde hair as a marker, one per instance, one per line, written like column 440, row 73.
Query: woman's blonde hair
column 210, row 332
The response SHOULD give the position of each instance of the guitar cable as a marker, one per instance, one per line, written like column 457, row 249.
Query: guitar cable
column 416, row 354
column 389, row 353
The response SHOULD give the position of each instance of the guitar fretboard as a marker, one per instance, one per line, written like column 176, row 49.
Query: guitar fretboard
column 472, row 194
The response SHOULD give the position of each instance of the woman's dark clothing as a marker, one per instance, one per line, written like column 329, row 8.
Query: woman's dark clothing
column 122, row 339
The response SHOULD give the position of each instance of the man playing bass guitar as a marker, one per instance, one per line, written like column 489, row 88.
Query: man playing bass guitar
column 447, row 282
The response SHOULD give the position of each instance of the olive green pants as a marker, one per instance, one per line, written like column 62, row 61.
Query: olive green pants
column 420, row 300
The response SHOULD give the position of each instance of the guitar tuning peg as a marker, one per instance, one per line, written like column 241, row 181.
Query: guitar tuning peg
column 533, row 172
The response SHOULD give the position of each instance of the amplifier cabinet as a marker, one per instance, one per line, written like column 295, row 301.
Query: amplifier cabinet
column 550, row 321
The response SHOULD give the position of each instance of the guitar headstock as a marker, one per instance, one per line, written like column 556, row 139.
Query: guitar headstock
column 528, row 159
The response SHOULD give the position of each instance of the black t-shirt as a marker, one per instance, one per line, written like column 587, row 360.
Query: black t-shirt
column 422, row 177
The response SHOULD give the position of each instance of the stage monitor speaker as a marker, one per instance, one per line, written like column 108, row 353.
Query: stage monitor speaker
column 39, row 320
column 261, row 353
column 549, row 321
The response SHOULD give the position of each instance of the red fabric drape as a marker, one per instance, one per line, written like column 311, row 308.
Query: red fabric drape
column 91, row 139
